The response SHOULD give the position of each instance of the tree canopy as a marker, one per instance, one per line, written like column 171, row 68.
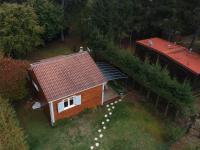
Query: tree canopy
column 144, row 18
column 19, row 29
column 50, row 16
column 13, row 75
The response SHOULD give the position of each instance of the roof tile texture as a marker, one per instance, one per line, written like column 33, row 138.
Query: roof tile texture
column 66, row 75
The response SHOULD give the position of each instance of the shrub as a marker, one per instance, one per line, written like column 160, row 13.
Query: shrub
column 173, row 133
column 13, row 78
column 153, row 77
column 11, row 135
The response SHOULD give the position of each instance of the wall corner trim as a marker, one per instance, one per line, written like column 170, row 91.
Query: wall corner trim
column 52, row 113
column 103, row 88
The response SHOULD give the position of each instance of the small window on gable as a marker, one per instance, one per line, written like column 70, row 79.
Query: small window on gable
column 66, row 104
column 69, row 103
column 35, row 85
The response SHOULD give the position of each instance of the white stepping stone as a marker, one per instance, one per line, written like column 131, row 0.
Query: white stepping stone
column 99, row 130
column 113, row 107
column 96, row 139
column 104, row 127
column 120, row 100
column 111, row 103
column 106, row 116
column 107, row 120
column 102, row 122
column 109, row 109
column 100, row 135
column 110, row 113
column 116, row 102
column 107, row 105
column 97, row 144
column 91, row 147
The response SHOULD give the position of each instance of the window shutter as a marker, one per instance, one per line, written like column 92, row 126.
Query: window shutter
column 77, row 100
column 60, row 106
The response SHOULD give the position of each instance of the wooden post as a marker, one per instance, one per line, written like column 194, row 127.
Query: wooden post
column 140, row 88
column 127, row 84
column 166, row 110
column 157, row 99
column 157, row 60
column 148, row 94
column 185, row 80
column 62, row 31
column 176, row 114
column 194, row 39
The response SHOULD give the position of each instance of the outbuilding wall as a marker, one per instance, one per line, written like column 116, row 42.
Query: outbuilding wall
column 89, row 99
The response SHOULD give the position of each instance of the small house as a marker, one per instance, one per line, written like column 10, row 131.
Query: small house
column 68, row 84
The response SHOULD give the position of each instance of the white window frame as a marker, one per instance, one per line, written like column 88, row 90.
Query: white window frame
column 35, row 85
column 68, row 100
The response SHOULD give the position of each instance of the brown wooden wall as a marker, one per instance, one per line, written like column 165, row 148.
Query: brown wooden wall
column 89, row 99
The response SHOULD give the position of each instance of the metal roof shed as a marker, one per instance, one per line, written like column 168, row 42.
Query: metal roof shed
column 110, row 72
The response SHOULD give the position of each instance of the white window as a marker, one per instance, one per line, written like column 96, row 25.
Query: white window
column 35, row 85
column 69, row 103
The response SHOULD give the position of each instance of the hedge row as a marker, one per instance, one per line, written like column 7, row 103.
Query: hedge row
column 11, row 135
column 153, row 77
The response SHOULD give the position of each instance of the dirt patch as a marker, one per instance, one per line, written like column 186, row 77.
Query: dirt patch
column 133, row 95
column 191, row 140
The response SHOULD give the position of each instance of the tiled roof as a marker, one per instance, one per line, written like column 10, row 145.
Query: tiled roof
column 66, row 75
column 177, row 53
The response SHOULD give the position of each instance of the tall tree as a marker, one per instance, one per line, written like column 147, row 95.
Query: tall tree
column 188, row 14
column 50, row 15
column 19, row 30
column 12, row 1
column 144, row 17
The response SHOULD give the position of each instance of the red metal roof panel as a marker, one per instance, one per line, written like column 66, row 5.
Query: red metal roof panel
column 177, row 53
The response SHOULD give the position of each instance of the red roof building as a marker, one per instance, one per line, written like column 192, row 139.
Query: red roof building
column 66, row 85
column 180, row 61
column 179, row 54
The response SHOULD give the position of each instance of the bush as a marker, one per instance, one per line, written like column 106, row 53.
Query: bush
column 11, row 135
column 173, row 133
column 13, row 78
column 153, row 77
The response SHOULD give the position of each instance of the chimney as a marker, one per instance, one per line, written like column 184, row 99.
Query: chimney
column 150, row 43
column 190, row 50
column 81, row 49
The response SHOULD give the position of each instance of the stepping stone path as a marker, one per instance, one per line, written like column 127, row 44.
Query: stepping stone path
column 107, row 118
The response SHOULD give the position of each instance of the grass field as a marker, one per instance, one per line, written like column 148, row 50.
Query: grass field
column 131, row 127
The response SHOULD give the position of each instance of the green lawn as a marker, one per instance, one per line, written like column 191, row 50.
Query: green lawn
column 131, row 127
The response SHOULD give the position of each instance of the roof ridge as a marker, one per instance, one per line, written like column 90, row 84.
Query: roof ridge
column 56, row 58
